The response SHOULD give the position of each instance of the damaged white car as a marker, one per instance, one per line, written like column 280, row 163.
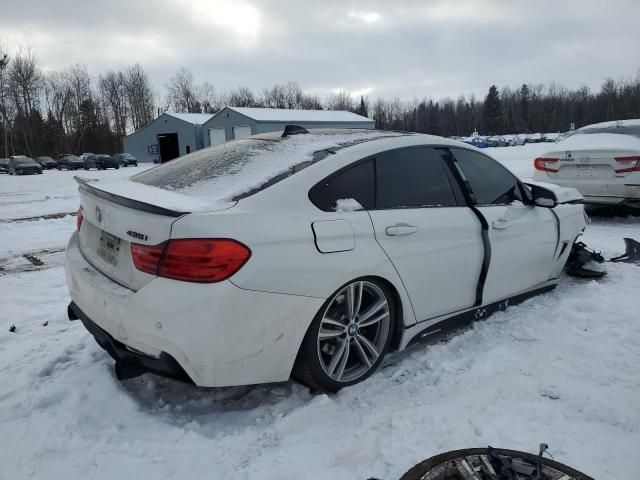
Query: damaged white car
column 309, row 254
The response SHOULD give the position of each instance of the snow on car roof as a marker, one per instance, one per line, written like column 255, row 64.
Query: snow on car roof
column 226, row 171
column 610, row 141
column 632, row 122
column 292, row 115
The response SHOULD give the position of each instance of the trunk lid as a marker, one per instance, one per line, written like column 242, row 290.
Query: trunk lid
column 593, row 156
column 118, row 213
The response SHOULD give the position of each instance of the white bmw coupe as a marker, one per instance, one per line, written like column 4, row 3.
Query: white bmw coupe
column 309, row 254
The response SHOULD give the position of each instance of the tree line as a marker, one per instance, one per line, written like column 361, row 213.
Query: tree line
column 71, row 111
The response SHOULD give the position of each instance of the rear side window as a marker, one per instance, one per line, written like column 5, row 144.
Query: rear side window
column 356, row 183
column 412, row 177
column 492, row 184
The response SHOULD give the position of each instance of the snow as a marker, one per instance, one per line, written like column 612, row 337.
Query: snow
column 609, row 141
column 562, row 368
column 195, row 118
column 221, row 173
column 292, row 115
column 347, row 205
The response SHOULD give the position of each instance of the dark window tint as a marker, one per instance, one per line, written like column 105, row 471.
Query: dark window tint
column 492, row 184
column 357, row 182
column 412, row 177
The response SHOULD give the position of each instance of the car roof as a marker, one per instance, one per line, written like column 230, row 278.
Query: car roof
column 632, row 122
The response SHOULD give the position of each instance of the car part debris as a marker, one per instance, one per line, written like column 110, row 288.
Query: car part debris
column 582, row 262
column 492, row 464
column 12, row 329
column 631, row 254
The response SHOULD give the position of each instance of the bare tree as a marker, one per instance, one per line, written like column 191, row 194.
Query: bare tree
column 114, row 95
column 4, row 64
column 242, row 97
column 340, row 101
column 182, row 94
column 140, row 96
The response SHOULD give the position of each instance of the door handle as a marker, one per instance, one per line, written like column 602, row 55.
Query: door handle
column 400, row 229
column 501, row 224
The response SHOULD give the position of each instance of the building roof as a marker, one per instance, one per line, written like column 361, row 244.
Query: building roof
column 195, row 118
column 290, row 115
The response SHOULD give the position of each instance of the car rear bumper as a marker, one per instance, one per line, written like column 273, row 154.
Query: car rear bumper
column 601, row 191
column 164, row 364
column 218, row 334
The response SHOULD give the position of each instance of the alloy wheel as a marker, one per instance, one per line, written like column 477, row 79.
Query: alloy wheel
column 353, row 331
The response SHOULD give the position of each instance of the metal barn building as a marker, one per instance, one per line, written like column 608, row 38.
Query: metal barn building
column 237, row 122
column 169, row 136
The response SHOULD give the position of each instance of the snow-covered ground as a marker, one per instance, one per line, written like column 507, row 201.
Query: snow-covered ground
column 562, row 368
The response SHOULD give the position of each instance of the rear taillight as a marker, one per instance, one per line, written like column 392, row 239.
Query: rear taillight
column 191, row 260
column 146, row 258
column 628, row 164
column 543, row 164
column 79, row 219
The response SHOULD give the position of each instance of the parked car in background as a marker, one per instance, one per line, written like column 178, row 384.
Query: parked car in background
column 21, row 165
column 69, row 162
column 47, row 163
column 477, row 141
column 4, row 165
column 126, row 159
column 256, row 259
column 601, row 161
column 106, row 161
column 89, row 160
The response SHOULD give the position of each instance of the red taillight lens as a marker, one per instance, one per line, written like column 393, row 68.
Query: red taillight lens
column 543, row 164
column 79, row 219
column 629, row 164
column 147, row 258
column 192, row 260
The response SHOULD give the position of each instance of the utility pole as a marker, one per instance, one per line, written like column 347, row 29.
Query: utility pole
column 4, row 61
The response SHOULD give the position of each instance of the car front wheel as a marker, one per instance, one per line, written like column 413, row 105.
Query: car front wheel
column 348, row 338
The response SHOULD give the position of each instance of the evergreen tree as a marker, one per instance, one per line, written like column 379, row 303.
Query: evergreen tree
column 493, row 121
column 362, row 109
column 524, row 107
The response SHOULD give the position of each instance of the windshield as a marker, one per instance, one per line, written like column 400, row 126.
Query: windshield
column 230, row 170
column 24, row 161
column 71, row 158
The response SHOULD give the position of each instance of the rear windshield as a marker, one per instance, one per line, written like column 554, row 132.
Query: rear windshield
column 633, row 130
column 24, row 161
column 239, row 168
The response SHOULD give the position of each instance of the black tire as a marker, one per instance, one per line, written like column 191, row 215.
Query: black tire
column 308, row 368
column 423, row 468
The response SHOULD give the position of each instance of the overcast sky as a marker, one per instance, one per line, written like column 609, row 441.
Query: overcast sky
column 380, row 48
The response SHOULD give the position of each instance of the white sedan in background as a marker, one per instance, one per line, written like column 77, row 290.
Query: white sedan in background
column 601, row 161
column 310, row 254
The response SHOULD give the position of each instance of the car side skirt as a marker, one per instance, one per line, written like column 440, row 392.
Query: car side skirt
column 444, row 324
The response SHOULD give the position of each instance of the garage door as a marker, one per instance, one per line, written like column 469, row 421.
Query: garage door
column 241, row 132
column 216, row 136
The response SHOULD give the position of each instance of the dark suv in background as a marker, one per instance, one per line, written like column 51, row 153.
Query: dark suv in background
column 70, row 162
column 4, row 165
column 126, row 159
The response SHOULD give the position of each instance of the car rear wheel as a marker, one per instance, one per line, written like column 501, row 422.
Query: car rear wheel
column 348, row 338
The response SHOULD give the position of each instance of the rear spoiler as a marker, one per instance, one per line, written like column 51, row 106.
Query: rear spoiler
column 85, row 184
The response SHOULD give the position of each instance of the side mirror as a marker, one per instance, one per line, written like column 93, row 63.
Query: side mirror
column 543, row 197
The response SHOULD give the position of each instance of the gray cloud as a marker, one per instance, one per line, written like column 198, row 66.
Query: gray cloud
column 404, row 48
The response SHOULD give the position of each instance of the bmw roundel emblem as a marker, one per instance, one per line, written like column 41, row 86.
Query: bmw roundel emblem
column 99, row 214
